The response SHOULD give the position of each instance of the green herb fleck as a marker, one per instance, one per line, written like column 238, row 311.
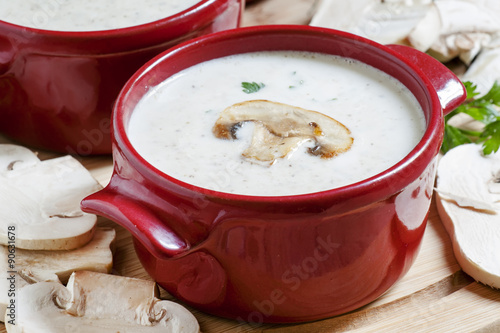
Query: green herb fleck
column 482, row 109
column 251, row 87
column 301, row 82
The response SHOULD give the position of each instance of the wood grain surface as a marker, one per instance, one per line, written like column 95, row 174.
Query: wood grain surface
column 434, row 296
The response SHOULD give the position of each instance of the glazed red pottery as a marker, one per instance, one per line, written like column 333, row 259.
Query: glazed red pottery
column 57, row 89
column 289, row 258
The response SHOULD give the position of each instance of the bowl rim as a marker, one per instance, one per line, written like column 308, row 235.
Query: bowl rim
column 115, row 40
column 116, row 31
column 372, row 189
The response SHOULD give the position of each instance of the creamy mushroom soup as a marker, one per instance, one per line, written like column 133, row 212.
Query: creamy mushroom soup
column 258, row 94
column 88, row 15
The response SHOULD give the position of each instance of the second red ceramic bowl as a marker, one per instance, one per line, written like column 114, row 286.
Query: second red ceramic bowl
column 57, row 89
column 288, row 258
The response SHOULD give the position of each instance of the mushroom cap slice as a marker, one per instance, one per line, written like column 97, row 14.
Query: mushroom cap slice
column 96, row 302
column 467, row 202
column 34, row 266
column 280, row 129
column 42, row 201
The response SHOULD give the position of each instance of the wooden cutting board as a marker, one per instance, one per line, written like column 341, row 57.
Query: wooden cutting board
column 435, row 295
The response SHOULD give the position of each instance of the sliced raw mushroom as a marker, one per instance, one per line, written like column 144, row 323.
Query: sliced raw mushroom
column 41, row 201
column 98, row 303
column 468, row 204
column 444, row 29
column 485, row 69
column 54, row 266
column 457, row 28
column 386, row 22
column 15, row 157
column 280, row 129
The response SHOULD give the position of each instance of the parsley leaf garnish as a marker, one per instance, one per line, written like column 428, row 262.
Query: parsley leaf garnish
column 453, row 137
column 251, row 87
column 482, row 109
column 491, row 137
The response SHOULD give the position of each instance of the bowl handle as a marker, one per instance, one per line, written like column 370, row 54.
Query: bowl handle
column 450, row 90
column 158, row 238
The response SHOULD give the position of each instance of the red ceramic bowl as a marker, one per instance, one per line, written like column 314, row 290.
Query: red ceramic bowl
column 57, row 89
column 289, row 258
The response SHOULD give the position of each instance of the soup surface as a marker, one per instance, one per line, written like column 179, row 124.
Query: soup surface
column 88, row 15
column 172, row 125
